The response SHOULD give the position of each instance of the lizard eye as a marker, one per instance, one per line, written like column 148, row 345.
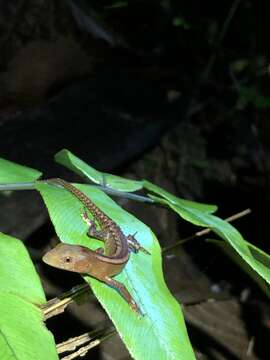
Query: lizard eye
column 68, row 259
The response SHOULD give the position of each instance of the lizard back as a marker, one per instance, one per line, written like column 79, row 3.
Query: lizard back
column 117, row 242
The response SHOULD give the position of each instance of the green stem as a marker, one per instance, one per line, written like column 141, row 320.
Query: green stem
column 31, row 186
column 17, row 186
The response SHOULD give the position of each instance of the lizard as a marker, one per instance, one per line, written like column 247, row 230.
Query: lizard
column 103, row 263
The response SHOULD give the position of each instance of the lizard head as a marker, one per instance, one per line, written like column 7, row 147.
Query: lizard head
column 68, row 257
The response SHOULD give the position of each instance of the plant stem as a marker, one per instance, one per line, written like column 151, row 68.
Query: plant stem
column 107, row 190
column 17, row 186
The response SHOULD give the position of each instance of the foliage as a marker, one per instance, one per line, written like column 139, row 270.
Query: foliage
column 160, row 332
column 22, row 332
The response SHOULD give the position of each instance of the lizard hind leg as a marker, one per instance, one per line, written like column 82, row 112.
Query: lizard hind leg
column 124, row 292
column 135, row 246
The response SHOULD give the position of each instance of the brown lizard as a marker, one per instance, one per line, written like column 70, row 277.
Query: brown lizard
column 101, row 264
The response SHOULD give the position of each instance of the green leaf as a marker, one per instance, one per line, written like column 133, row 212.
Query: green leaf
column 258, row 255
column 174, row 200
column 23, row 335
column 219, row 226
column 11, row 172
column 17, row 272
column 161, row 332
column 72, row 162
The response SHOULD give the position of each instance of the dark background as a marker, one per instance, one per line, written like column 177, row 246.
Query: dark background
column 174, row 92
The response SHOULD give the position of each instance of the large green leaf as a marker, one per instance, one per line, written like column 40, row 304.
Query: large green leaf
column 72, row 162
column 11, row 172
column 23, row 335
column 17, row 273
column 219, row 226
column 160, row 333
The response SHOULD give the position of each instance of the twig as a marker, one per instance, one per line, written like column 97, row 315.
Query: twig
column 205, row 231
column 57, row 305
column 75, row 342
column 222, row 34
column 193, row 107
column 250, row 348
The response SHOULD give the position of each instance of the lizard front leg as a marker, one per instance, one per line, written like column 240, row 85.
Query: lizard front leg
column 124, row 292
column 134, row 245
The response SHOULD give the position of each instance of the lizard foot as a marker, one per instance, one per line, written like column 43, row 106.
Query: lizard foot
column 120, row 287
column 135, row 245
